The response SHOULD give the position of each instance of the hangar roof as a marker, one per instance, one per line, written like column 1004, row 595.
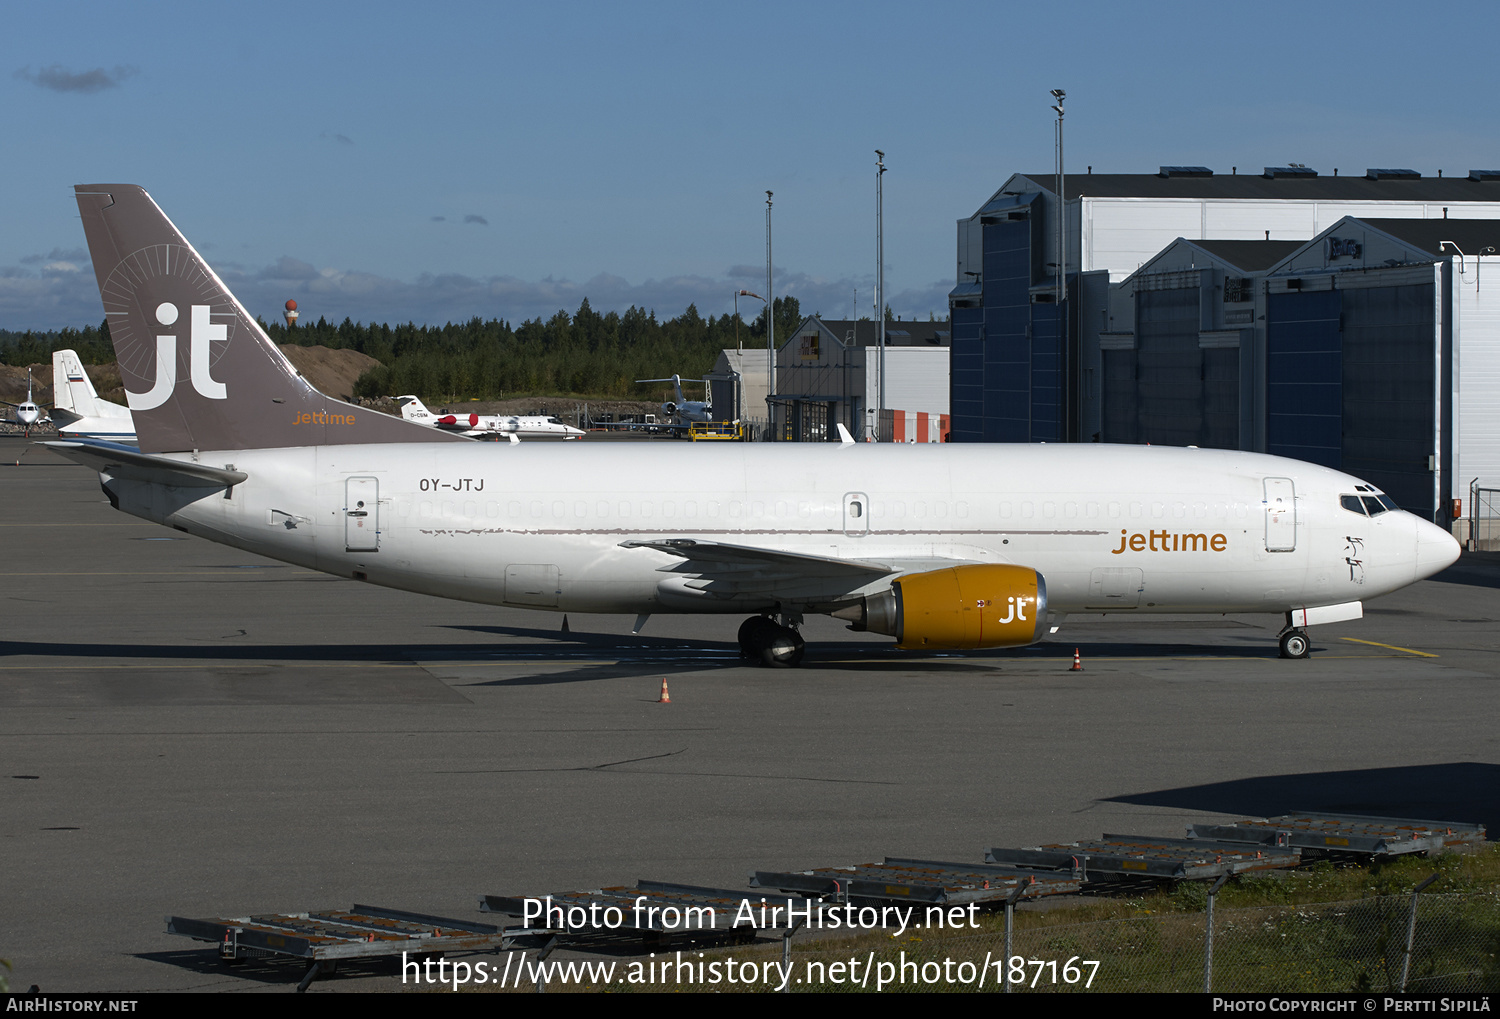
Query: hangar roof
column 1255, row 185
column 1471, row 235
column 1252, row 256
column 897, row 334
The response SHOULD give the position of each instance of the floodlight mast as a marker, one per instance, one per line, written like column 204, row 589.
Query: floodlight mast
column 770, row 330
column 880, row 284
column 1062, row 207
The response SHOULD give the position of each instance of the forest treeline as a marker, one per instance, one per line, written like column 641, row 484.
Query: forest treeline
column 585, row 353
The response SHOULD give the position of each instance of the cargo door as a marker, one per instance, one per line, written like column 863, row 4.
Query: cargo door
column 1115, row 588
column 362, row 515
column 538, row 585
column 1281, row 515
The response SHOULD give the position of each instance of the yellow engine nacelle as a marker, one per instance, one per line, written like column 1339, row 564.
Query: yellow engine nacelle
column 960, row 607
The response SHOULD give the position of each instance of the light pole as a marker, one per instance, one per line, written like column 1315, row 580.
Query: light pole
column 880, row 281
column 770, row 329
column 1062, row 205
column 1072, row 416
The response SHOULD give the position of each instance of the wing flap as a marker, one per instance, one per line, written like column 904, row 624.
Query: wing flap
column 799, row 564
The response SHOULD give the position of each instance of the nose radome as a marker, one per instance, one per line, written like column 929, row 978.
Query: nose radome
column 1436, row 549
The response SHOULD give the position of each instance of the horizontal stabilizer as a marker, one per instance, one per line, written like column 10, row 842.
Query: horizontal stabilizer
column 124, row 462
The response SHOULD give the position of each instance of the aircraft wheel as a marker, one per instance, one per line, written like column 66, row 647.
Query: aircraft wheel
column 782, row 648
column 1294, row 644
column 755, row 633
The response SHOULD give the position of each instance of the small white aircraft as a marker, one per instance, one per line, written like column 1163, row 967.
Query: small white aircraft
column 478, row 426
column 683, row 412
column 28, row 415
column 77, row 409
column 944, row 546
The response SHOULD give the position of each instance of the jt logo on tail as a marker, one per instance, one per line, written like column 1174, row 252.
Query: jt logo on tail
column 203, row 332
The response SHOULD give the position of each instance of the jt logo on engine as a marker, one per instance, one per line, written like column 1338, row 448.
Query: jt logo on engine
column 202, row 333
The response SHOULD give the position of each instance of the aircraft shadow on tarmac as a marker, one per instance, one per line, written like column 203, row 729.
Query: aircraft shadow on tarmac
column 669, row 655
column 1461, row 791
column 626, row 654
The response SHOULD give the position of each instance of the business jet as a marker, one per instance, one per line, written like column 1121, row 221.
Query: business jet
column 77, row 409
column 479, row 426
column 28, row 415
column 945, row 546
column 683, row 412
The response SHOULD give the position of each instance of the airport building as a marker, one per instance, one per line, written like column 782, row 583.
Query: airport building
column 828, row 373
column 1185, row 312
column 737, row 388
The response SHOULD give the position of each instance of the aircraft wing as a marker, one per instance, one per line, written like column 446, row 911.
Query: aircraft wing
column 715, row 569
column 799, row 563
column 124, row 462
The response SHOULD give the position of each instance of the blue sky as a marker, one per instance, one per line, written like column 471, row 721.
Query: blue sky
column 391, row 163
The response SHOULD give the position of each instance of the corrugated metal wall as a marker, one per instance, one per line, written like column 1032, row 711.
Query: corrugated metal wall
column 1007, row 347
column 1388, row 388
column 1304, row 381
column 1350, row 385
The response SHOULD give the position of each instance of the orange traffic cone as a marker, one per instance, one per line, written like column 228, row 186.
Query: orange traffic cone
column 1077, row 662
column 665, row 697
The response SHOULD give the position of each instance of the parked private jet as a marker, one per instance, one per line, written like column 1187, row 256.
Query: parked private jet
column 942, row 546
column 682, row 412
column 77, row 409
column 28, row 415
column 479, row 426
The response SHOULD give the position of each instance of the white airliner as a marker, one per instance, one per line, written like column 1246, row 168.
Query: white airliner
column 942, row 546
column 478, row 426
column 77, row 409
column 28, row 415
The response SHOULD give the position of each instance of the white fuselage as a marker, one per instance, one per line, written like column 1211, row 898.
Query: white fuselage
column 1111, row 528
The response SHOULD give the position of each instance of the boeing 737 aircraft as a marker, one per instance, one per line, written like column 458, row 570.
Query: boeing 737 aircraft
column 477, row 426
column 77, row 409
column 941, row 546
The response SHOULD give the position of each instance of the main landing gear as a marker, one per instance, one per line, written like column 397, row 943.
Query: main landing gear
column 1294, row 644
column 772, row 644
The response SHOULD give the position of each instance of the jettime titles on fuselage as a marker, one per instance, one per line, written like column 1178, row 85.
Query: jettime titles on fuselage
column 1166, row 541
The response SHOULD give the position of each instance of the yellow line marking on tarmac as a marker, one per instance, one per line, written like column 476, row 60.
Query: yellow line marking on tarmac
column 1423, row 654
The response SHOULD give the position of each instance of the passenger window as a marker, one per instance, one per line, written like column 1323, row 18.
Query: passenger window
column 1352, row 504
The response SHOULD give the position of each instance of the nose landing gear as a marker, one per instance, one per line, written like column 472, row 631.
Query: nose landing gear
column 1294, row 644
column 772, row 644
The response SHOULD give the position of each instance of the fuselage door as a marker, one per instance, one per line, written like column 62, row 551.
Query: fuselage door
column 1281, row 515
column 362, row 515
column 856, row 514
column 1115, row 588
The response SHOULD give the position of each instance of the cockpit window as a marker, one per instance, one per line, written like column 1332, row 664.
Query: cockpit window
column 1352, row 504
column 1388, row 502
column 1377, row 504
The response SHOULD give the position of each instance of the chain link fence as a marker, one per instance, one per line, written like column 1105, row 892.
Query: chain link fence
column 1352, row 945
